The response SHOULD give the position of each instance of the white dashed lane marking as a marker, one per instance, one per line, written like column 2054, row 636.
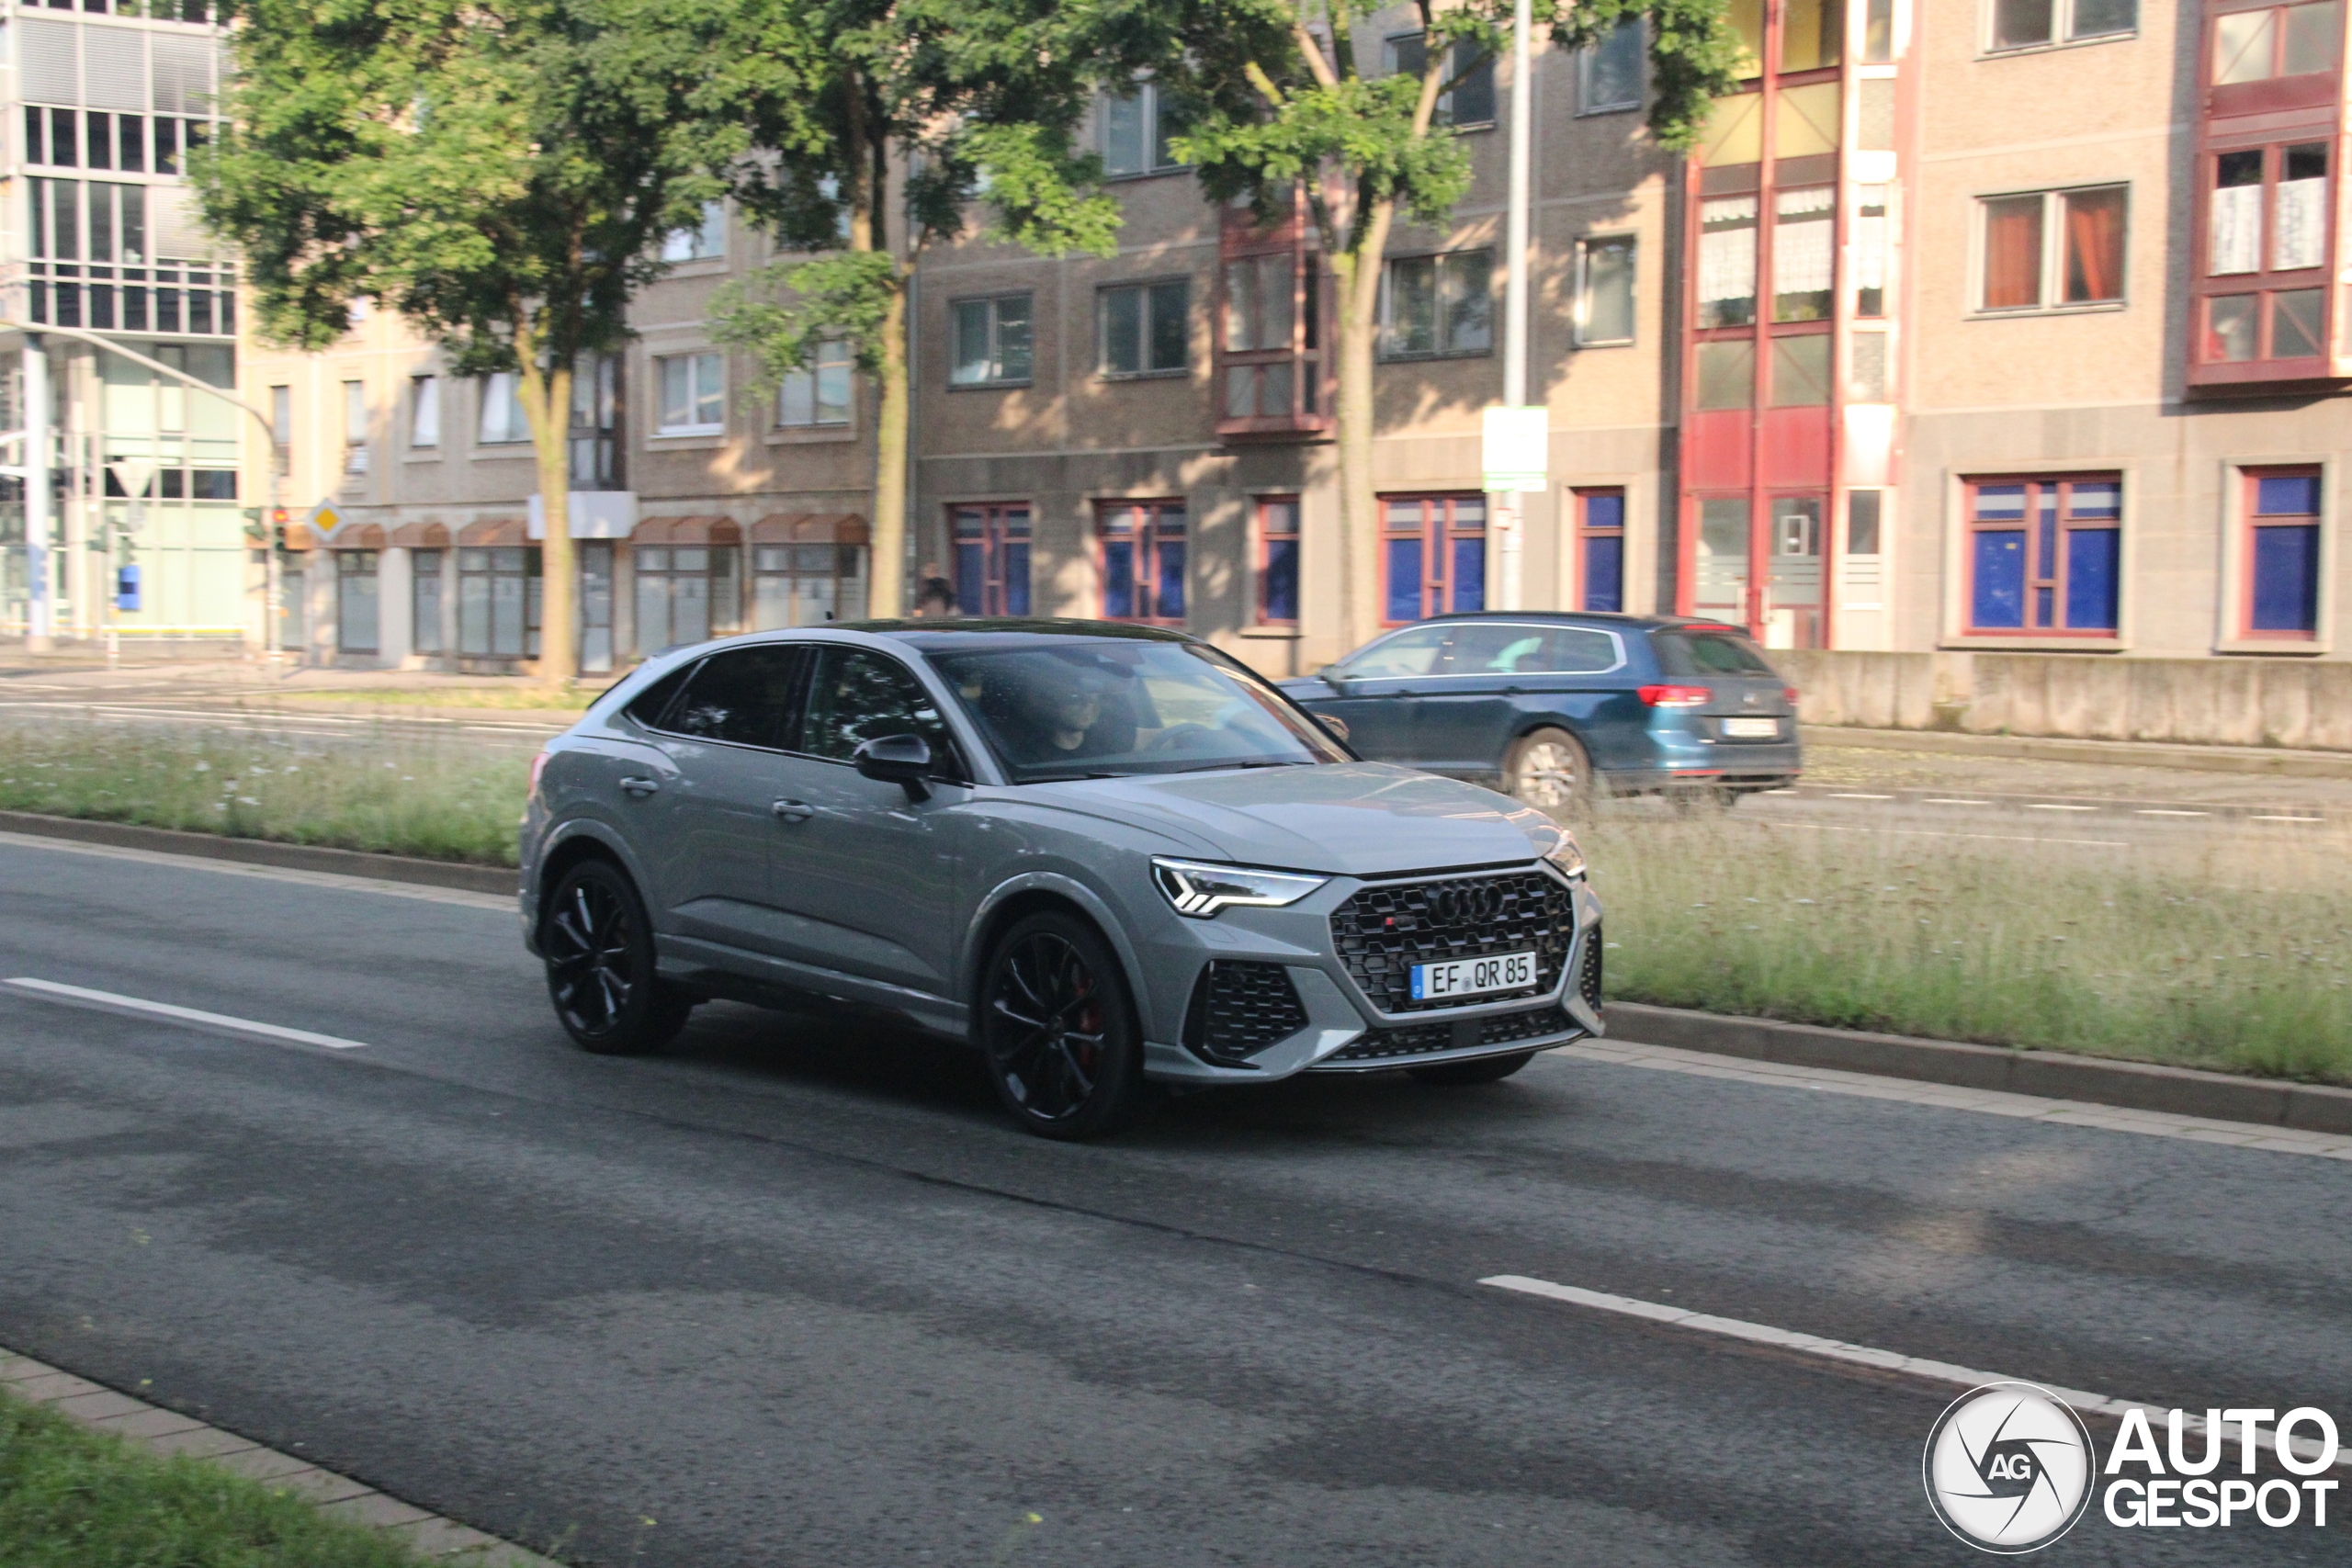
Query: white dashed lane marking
column 214, row 1022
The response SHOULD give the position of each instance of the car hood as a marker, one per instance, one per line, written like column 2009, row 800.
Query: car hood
column 1347, row 818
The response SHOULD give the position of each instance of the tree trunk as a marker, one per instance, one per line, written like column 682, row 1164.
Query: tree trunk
column 547, row 403
column 1356, row 273
column 886, row 570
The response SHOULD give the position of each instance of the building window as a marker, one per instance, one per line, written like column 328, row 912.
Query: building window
column 424, row 411
column 1805, row 252
column 2289, row 183
column 992, row 342
column 1278, row 560
column 1600, row 549
column 1727, row 261
column 1870, row 247
column 2033, row 24
column 1470, row 98
column 1145, row 328
column 693, row 394
column 2291, row 40
column 1725, row 373
column 1604, row 309
column 502, row 422
column 807, row 585
column 354, row 601
column 498, row 603
column 685, row 593
column 281, row 428
column 2045, row 554
column 1813, row 36
column 1434, row 555
column 354, row 427
column 817, row 393
column 706, row 241
column 1142, row 561
column 424, row 601
column 992, row 558
column 1135, row 129
column 2282, row 553
column 1608, row 71
column 1432, row 306
column 2052, row 248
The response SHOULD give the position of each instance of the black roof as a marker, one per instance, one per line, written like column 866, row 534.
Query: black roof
column 1008, row 631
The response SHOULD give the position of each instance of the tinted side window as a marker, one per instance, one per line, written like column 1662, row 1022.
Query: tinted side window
column 744, row 696
column 1531, row 651
column 860, row 696
column 1708, row 653
column 1400, row 656
column 647, row 706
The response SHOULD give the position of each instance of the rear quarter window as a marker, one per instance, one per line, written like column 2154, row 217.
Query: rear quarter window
column 1708, row 653
column 648, row 706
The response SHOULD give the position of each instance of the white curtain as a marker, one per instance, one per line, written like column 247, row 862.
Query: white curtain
column 2237, row 230
column 2302, row 210
column 1727, row 253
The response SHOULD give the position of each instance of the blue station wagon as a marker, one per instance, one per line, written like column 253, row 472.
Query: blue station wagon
column 1564, row 708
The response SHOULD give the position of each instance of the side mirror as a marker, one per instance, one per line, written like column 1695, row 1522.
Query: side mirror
column 1332, row 676
column 901, row 760
column 1336, row 725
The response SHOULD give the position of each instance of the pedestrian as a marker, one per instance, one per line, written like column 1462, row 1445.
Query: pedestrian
column 935, row 597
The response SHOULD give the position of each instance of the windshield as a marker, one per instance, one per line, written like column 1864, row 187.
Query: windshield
column 1708, row 653
column 1110, row 710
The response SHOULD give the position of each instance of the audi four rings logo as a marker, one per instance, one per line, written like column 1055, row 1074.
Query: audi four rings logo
column 1454, row 904
column 2009, row 1468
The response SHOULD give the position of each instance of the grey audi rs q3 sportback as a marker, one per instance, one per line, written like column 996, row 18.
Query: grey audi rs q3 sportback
column 1107, row 856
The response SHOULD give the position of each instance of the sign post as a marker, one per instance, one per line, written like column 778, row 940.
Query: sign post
column 1514, row 457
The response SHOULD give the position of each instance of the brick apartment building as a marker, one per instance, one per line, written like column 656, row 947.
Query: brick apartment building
column 2007, row 325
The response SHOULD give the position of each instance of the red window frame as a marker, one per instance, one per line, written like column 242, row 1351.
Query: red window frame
column 2249, row 555
column 1265, row 512
column 989, row 545
column 1445, row 526
column 1589, row 533
column 1155, row 538
column 2052, row 509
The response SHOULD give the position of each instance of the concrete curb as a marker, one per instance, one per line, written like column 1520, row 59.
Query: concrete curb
column 166, row 1432
column 2051, row 1075
column 465, row 878
column 2053, row 749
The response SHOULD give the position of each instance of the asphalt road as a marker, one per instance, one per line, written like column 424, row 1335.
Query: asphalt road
column 793, row 1293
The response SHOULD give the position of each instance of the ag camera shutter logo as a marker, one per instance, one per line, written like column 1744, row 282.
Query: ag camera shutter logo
column 2009, row 1468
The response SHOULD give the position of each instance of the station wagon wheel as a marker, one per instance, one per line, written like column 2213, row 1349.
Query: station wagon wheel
column 599, row 950
column 1548, row 769
column 1058, row 1030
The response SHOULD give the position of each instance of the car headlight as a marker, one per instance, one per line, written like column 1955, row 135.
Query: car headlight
column 1565, row 856
column 1201, row 890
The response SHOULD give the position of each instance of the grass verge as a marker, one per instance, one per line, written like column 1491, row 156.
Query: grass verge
column 519, row 697
column 2231, row 952
column 440, row 800
column 73, row 1498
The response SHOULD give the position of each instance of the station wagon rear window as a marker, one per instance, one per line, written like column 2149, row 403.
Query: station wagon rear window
column 1708, row 653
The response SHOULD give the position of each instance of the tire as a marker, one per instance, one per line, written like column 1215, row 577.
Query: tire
column 1549, row 769
column 1486, row 1069
column 599, row 948
column 1057, row 1027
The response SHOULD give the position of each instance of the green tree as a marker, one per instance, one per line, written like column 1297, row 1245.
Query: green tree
column 927, row 111
column 1280, row 96
column 497, row 172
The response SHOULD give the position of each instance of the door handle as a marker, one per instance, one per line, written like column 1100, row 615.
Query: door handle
column 794, row 810
column 640, row 788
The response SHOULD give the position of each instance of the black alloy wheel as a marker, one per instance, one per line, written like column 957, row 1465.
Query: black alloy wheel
column 1058, row 1030
column 1484, row 1069
column 599, row 950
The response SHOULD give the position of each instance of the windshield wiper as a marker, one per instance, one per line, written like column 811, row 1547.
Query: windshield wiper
column 1211, row 767
column 1068, row 778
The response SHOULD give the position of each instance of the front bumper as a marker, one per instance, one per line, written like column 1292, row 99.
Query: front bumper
column 1345, row 1029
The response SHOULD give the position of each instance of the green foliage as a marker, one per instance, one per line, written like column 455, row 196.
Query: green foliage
column 781, row 313
column 496, row 175
column 1694, row 56
column 73, row 1498
column 391, row 795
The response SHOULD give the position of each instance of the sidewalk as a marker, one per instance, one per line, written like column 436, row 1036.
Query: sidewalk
column 2129, row 754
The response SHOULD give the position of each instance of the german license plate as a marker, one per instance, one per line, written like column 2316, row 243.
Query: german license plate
column 1751, row 729
column 1470, row 977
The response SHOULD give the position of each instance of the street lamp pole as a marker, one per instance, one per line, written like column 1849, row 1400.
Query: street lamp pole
column 1515, row 238
column 37, row 471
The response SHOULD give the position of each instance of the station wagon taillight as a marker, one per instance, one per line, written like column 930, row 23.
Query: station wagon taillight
column 538, row 766
column 1675, row 696
column 1789, row 692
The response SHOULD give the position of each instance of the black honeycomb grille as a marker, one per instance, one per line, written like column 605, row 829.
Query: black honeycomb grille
column 1241, row 1008
column 1383, row 932
column 1589, row 971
